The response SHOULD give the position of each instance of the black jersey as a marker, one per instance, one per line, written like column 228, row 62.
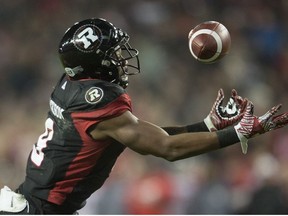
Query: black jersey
column 66, row 165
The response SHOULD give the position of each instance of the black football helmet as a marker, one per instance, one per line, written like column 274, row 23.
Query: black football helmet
column 97, row 49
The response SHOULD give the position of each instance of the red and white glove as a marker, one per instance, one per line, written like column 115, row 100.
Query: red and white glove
column 251, row 126
column 221, row 117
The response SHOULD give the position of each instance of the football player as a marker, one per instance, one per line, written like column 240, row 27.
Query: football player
column 90, row 122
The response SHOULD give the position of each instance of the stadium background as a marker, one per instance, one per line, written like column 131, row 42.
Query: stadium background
column 172, row 89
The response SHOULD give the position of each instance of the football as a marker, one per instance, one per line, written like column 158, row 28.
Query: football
column 209, row 41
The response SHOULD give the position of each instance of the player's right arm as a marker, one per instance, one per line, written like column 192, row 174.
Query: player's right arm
column 147, row 138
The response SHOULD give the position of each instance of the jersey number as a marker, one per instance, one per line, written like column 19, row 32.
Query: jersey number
column 37, row 155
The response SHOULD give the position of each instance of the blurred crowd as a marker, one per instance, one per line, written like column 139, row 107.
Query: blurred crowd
column 172, row 89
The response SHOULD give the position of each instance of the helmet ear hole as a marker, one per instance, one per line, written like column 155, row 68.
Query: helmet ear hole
column 73, row 71
column 106, row 63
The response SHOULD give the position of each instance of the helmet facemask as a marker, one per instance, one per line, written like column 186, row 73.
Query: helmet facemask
column 120, row 61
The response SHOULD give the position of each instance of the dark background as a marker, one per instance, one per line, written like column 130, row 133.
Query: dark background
column 172, row 89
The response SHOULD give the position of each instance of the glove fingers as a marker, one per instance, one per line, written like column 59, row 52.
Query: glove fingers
column 235, row 96
column 267, row 116
column 276, row 108
column 238, row 99
column 241, row 103
column 220, row 97
column 234, row 93
column 244, row 104
column 280, row 120
column 249, row 109
column 273, row 110
column 251, row 105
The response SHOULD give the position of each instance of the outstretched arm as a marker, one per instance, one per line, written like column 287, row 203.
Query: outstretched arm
column 147, row 138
